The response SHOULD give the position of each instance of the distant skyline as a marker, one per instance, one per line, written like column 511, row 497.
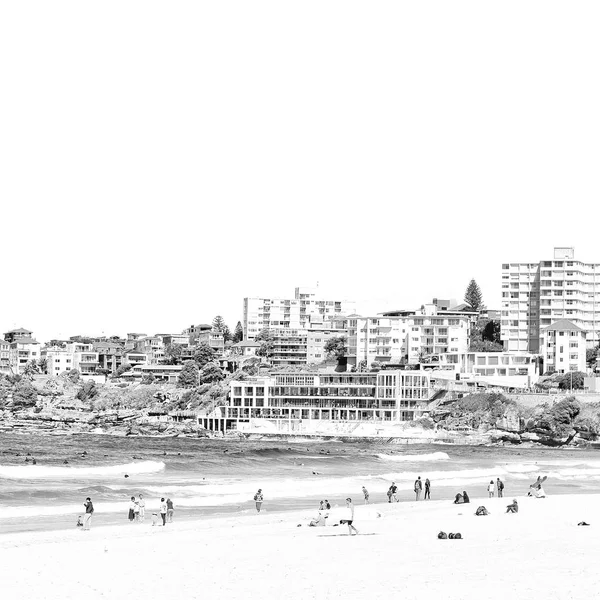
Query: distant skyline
column 162, row 162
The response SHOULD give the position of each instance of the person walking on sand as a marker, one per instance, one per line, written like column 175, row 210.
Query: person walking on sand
column 500, row 488
column 491, row 489
column 392, row 492
column 418, row 487
column 427, row 495
column 349, row 521
column 142, row 505
column 131, row 514
column 258, row 498
column 366, row 493
column 170, row 510
column 89, row 511
column 163, row 511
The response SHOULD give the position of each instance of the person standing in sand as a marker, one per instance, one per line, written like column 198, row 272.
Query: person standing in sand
column 491, row 489
column 392, row 492
column 418, row 487
column 163, row 511
column 349, row 521
column 131, row 514
column 170, row 510
column 500, row 488
column 89, row 511
column 427, row 495
column 258, row 498
column 366, row 493
column 142, row 505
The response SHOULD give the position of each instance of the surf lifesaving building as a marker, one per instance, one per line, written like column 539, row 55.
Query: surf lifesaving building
column 307, row 401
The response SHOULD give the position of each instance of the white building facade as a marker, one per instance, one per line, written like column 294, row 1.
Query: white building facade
column 291, row 313
column 537, row 294
column 563, row 347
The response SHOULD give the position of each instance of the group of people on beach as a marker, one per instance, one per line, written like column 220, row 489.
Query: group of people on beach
column 497, row 487
column 418, row 488
column 137, row 510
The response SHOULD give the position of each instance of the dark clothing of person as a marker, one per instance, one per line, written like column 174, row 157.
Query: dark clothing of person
column 164, row 518
column 131, row 514
column 459, row 499
column 89, row 507
column 466, row 498
column 169, row 504
column 427, row 490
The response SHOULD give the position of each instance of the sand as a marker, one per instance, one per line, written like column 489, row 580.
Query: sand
column 539, row 552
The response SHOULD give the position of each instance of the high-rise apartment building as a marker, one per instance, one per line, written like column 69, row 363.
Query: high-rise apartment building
column 293, row 313
column 536, row 295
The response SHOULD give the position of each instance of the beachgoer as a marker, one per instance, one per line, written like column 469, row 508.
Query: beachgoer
column 321, row 506
column 418, row 487
column 459, row 499
column 163, row 511
column 466, row 498
column 142, row 505
column 513, row 508
column 89, row 511
column 136, row 510
column 392, row 492
column 500, row 487
column 349, row 521
column 366, row 493
column 131, row 514
column 427, row 490
column 491, row 488
column 170, row 510
column 154, row 519
column 258, row 498
column 327, row 505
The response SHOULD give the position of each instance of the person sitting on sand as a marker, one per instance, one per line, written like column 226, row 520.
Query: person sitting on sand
column 466, row 498
column 327, row 505
column 513, row 508
column 459, row 499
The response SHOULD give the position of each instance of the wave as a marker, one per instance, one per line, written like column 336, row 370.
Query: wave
column 42, row 472
column 414, row 457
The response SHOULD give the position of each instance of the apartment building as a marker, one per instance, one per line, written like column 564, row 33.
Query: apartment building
column 85, row 358
column 4, row 357
column 392, row 395
column 206, row 334
column 502, row 369
column 110, row 355
column 563, row 347
column 23, row 349
column 290, row 313
column 537, row 294
column 58, row 359
column 405, row 338
column 152, row 346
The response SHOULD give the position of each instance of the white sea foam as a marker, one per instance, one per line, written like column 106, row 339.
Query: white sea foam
column 414, row 457
column 43, row 472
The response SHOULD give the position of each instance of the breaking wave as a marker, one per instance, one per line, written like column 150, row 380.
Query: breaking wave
column 42, row 472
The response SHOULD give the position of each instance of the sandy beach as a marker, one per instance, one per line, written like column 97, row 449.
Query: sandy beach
column 539, row 552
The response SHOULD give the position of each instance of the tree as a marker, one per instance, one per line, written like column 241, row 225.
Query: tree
column 267, row 346
column 173, row 354
column 238, row 333
column 219, row 325
column 591, row 356
column 572, row 380
column 491, row 331
column 24, row 394
column 42, row 364
column 88, row 391
column 148, row 379
column 336, row 347
column 473, row 296
column 211, row 373
column 122, row 369
column 30, row 369
column 189, row 376
column 204, row 354
column 73, row 375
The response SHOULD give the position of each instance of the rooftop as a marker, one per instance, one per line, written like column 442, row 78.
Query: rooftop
column 562, row 325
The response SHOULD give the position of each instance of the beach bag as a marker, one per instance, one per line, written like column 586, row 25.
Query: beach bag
column 442, row 536
column 481, row 511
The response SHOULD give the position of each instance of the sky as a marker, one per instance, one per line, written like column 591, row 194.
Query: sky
column 160, row 161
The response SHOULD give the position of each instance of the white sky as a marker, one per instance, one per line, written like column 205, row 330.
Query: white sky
column 159, row 161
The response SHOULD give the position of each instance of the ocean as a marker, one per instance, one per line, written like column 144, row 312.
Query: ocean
column 205, row 477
